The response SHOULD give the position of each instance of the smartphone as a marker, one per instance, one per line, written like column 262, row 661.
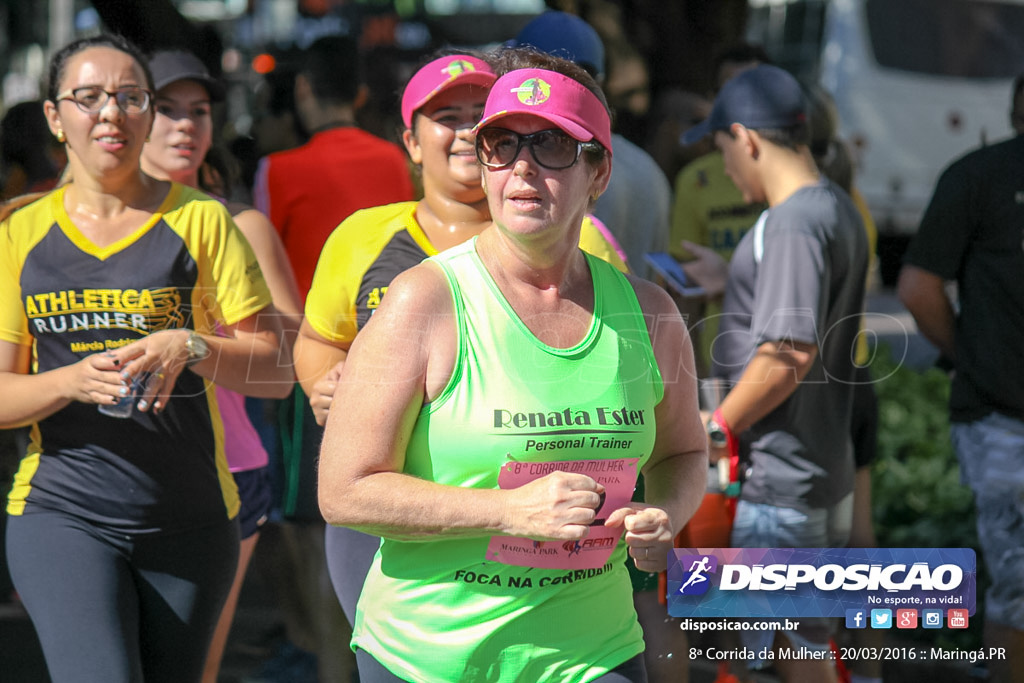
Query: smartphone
column 667, row 267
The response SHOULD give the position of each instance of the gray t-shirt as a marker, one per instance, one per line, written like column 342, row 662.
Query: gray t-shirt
column 799, row 275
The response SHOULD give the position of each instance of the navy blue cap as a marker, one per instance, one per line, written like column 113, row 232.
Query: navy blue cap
column 567, row 36
column 762, row 97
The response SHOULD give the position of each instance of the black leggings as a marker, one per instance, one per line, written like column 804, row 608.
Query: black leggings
column 349, row 557
column 631, row 671
column 111, row 608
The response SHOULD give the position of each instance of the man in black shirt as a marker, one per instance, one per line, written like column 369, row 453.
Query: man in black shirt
column 973, row 233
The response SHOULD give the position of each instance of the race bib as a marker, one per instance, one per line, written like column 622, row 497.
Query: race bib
column 618, row 476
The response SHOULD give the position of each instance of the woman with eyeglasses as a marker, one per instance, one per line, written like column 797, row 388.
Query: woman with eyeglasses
column 494, row 412
column 440, row 105
column 122, row 534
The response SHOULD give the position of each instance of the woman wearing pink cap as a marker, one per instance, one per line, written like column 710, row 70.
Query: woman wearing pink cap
column 441, row 103
column 497, row 409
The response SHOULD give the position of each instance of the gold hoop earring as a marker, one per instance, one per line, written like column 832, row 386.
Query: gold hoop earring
column 60, row 136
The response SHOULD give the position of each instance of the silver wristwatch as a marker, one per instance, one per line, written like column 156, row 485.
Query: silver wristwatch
column 197, row 349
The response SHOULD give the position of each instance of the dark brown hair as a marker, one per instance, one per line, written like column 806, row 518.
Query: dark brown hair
column 59, row 61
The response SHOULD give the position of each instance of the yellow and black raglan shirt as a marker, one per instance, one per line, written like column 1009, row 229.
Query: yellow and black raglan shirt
column 369, row 250
column 188, row 266
column 360, row 259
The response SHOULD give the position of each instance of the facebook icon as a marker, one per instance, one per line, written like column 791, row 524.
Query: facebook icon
column 856, row 618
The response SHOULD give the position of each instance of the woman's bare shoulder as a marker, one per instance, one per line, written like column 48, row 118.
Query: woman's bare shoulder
column 422, row 289
column 653, row 298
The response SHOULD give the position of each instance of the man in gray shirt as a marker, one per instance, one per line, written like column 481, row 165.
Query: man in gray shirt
column 790, row 318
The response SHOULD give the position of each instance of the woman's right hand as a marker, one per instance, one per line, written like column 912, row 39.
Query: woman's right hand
column 323, row 394
column 557, row 507
column 95, row 379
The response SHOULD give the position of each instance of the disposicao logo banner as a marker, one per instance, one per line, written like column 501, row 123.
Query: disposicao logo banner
column 817, row 582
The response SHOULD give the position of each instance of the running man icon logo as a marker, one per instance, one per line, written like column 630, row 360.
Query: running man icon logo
column 696, row 581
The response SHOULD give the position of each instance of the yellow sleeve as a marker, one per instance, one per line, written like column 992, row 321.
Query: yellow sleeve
column 231, row 285
column 19, row 233
column 593, row 242
column 13, row 323
column 331, row 302
column 862, row 353
column 352, row 248
column 869, row 225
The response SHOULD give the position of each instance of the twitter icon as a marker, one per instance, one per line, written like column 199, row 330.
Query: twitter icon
column 881, row 618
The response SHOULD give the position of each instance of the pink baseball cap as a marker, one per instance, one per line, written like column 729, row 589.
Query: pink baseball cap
column 437, row 76
column 559, row 99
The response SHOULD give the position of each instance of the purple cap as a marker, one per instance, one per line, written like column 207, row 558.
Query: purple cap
column 762, row 97
column 559, row 99
column 437, row 76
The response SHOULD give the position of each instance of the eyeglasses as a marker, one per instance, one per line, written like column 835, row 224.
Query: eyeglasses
column 552, row 149
column 91, row 98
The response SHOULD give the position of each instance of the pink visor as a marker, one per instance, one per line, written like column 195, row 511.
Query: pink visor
column 556, row 98
column 437, row 76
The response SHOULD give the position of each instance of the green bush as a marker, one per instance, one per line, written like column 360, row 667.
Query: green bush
column 917, row 498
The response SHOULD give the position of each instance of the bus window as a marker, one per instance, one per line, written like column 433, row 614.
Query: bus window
column 947, row 37
column 791, row 32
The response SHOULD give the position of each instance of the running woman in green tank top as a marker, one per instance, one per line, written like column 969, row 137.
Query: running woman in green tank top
column 498, row 407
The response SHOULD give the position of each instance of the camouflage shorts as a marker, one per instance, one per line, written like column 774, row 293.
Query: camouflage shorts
column 991, row 453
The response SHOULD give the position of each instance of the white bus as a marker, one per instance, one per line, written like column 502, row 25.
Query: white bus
column 917, row 83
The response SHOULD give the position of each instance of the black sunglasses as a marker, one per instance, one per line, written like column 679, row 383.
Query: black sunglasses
column 553, row 149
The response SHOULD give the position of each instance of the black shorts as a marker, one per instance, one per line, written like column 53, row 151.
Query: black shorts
column 256, row 497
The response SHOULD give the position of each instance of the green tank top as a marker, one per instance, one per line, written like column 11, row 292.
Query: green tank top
column 441, row 611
